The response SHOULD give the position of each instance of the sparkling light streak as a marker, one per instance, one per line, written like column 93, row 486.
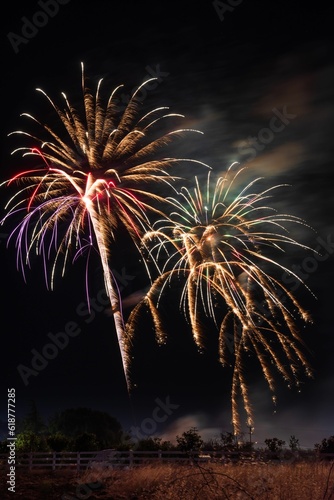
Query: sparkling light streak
column 223, row 248
column 91, row 178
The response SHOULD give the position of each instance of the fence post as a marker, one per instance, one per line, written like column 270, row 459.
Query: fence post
column 130, row 458
column 54, row 460
column 78, row 461
column 30, row 460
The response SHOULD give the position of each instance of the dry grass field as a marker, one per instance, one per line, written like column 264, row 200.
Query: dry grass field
column 299, row 481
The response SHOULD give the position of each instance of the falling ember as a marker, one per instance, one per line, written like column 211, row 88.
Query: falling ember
column 221, row 246
column 89, row 184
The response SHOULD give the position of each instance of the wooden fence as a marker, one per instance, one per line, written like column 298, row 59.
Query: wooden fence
column 125, row 459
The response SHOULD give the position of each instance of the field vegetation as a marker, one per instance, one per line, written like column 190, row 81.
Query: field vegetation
column 254, row 480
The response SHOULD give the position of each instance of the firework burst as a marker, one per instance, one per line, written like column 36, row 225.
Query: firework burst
column 222, row 246
column 90, row 179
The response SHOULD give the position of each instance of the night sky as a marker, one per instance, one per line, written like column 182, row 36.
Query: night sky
column 226, row 72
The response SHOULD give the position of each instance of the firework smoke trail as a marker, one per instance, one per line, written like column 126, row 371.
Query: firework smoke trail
column 88, row 185
column 221, row 246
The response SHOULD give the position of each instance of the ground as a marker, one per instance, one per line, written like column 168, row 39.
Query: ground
column 310, row 480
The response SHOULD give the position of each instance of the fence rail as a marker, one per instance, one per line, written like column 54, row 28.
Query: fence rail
column 124, row 459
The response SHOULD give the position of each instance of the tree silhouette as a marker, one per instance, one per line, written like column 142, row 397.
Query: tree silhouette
column 87, row 441
column 274, row 444
column 74, row 422
column 293, row 443
column 326, row 445
column 59, row 442
column 32, row 422
column 190, row 440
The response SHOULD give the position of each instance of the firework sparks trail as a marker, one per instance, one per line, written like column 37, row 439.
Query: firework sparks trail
column 221, row 246
column 89, row 182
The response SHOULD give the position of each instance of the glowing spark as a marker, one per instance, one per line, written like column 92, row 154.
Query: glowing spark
column 222, row 246
column 89, row 184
